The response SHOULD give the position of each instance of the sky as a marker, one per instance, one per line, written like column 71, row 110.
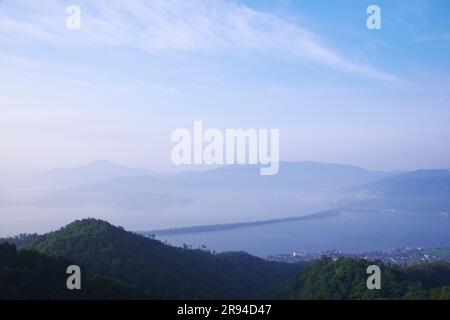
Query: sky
column 137, row 70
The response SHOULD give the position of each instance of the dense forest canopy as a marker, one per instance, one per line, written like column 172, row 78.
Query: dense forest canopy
column 120, row 264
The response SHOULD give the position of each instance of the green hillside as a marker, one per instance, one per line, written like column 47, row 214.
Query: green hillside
column 162, row 271
column 29, row 274
column 120, row 264
column 346, row 279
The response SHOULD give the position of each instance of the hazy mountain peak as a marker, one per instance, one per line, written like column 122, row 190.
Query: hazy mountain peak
column 103, row 163
column 423, row 174
column 96, row 171
column 425, row 191
column 114, row 253
column 97, row 165
column 89, row 223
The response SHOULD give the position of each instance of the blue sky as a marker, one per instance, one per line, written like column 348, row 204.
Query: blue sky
column 137, row 70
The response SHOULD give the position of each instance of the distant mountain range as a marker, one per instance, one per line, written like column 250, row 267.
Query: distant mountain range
column 103, row 182
column 292, row 175
column 304, row 176
column 425, row 191
column 227, row 194
column 124, row 193
column 90, row 173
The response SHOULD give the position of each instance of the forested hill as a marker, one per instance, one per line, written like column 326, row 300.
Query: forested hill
column 162, row 270
column 346, row 279
column 120, row 264
column 27, row 274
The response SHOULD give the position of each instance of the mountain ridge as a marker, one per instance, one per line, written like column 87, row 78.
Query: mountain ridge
column 115, row 265
column 171, row 272
column 426, row 190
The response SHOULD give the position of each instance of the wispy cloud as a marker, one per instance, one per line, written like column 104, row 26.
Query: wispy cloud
column 181, row 25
